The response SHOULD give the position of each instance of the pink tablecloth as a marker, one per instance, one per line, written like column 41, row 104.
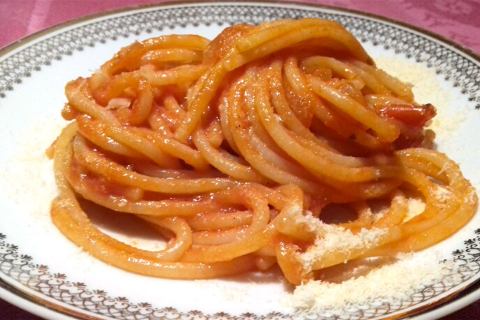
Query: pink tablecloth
column 456, row 20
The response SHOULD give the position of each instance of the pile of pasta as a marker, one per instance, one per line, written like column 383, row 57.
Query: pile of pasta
column 226, row 148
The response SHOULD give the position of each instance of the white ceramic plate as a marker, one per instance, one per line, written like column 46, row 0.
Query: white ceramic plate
column 44, row 273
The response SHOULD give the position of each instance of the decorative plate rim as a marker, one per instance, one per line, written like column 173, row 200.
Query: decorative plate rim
column 5, row 51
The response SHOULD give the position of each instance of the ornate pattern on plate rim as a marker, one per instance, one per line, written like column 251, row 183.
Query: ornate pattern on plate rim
column 21, row 268
column 460, row 70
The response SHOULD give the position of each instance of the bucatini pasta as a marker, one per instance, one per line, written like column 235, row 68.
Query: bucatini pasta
column 233, row 149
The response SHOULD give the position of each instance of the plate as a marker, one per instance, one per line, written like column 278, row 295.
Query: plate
column 43, row 272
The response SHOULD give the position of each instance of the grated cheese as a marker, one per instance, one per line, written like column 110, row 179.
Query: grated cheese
column 390, row 283
column 338, row 239
column 415, row 207
column 426, row 89
column 426, row 86
column 333, row 238
column 387, row 284
column 442, row 194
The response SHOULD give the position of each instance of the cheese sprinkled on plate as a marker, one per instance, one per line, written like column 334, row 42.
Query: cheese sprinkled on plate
column 387, row 284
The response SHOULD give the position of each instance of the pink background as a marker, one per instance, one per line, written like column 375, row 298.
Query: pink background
column 457, row 20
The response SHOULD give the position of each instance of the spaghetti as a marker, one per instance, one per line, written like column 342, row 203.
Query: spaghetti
column 234, row 149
